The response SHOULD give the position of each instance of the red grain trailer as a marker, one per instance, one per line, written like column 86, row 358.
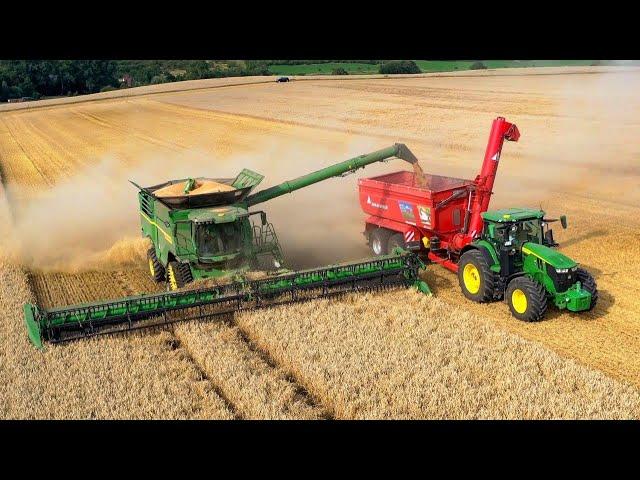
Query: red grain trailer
column 437, row 217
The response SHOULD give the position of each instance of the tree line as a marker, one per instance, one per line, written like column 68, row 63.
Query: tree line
column 35, row 79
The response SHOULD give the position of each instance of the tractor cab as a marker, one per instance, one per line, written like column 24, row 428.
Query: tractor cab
column 509, row 229
column 513, row 227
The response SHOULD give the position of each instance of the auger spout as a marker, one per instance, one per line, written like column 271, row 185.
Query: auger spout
column 398, row 150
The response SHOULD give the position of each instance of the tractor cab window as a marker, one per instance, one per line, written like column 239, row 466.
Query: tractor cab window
column 513, row 234
column 530, row 231
column 500, row 233
column 218, row 239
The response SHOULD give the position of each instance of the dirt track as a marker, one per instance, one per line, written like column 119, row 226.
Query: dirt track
column 65, row 170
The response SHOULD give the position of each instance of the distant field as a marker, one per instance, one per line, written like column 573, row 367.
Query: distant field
column 445, row 66
column 425, row 66
column 323, row 68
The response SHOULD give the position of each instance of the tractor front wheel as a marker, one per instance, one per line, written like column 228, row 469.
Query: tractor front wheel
column 589, row 284
column 155, row 267
column 178, row 275
column 476, row 279
column 527, row 299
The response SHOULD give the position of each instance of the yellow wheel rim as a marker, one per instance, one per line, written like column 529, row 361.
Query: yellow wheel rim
column 151, row 269
column 519, row 301
column 471, row 278
column 172, row 279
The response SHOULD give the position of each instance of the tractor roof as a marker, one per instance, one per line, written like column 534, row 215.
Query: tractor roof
column 512, row 215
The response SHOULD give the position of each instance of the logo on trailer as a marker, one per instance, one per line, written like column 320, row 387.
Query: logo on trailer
column 406, row 209
column 425, row 214
column 376, row 205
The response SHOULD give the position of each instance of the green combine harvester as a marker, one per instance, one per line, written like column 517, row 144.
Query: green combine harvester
column 211, row 235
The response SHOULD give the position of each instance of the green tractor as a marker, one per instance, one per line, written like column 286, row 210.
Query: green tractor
column 514, row 259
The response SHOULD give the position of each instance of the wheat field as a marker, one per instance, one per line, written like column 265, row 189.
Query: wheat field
column 70, row 234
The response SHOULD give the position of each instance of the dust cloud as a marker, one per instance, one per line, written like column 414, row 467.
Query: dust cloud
column 90, row 221
column 588, row 147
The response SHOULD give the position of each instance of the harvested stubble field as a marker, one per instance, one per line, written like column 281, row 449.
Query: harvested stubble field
column 70, row 230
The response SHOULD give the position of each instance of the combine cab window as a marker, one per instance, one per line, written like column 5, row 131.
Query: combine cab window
column 218, row 239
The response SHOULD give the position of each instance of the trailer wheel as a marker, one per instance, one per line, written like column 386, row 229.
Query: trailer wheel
column 378, row 241
column 396, row 240
column 476, row 279
column 178, row 275
column 589, row 284
column 527, row 299
column 156, row 269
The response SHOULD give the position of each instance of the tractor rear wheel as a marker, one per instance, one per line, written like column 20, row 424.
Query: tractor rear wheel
column 378, row 241
column 156, row 269
column 396, row 240
column 589, row 284
column 178, row 275
column 527, row 299
column 475, row 277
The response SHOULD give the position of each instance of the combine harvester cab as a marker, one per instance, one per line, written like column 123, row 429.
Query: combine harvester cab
column 205, row 235
column 446, row 220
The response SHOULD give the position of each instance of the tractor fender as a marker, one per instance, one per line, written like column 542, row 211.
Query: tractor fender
column 486, row 249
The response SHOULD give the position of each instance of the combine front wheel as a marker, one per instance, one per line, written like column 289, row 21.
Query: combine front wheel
column 476, row 279
column 178, row 275
column 155, row 267
column 527, row 299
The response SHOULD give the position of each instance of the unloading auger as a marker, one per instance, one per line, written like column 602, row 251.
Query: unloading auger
column 211, row 235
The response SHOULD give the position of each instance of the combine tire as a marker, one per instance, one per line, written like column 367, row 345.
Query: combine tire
column 396, row 240
column 178, row 275
column 378, row 241
column 155, row 267
column 527, row 299
column 589, row 284
column 476, row 279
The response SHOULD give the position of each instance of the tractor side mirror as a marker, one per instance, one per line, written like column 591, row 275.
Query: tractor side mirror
column 263, row 218
column 563, row 221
